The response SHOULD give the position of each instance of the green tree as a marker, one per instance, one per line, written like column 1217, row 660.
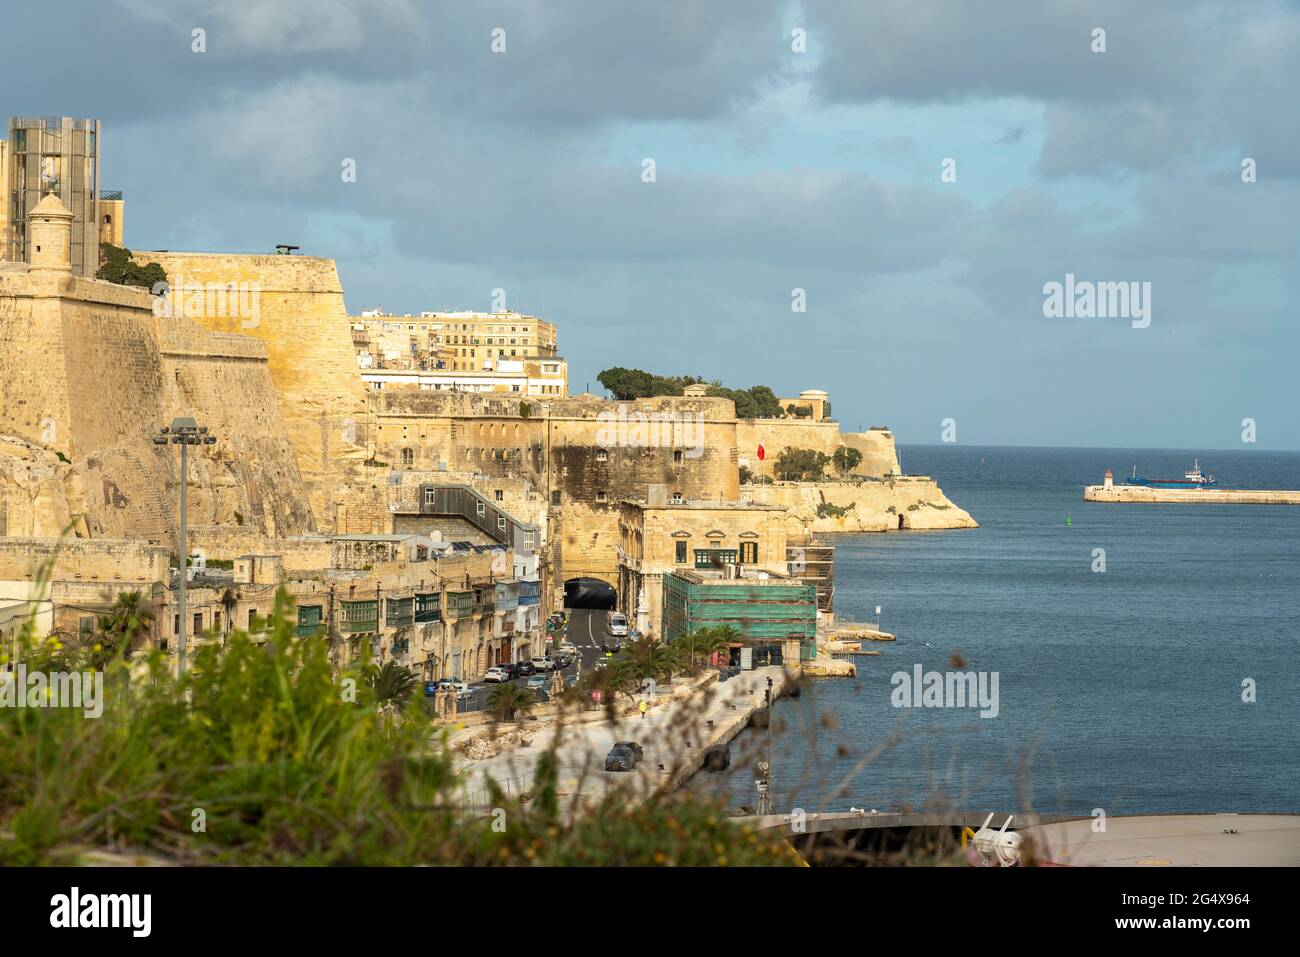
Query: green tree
column 116, row 265
column 122, row 630
column 846, row 459
column 507, row 699
column 697, row 646
column 393, row 684
column 800, row 465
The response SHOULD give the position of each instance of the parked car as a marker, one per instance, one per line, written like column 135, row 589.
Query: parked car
column 510, row 668
column 617, row 625
column 538, row 683
column 568, row 648
column 524, row 668
column 633, row 747
column 545, row 663
column 620, row 758
column 454, row 684
column 497, row 674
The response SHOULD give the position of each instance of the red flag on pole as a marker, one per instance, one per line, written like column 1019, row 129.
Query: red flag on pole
column 762, row 453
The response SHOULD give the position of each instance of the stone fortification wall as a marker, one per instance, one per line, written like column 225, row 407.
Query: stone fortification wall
column 91, row 374
column 913, row 502
column 298, row 313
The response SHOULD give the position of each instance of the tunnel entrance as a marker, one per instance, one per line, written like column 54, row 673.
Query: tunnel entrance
column 589, row 593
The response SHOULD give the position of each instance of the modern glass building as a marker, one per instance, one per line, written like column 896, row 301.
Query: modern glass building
column 56, row 154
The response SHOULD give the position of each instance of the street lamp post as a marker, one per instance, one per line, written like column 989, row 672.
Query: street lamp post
column 183, row 432
column 771, row 807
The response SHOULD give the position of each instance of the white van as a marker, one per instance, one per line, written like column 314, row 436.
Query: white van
column 617, row 624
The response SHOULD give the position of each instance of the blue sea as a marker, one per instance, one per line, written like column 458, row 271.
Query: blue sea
column 1118, row 689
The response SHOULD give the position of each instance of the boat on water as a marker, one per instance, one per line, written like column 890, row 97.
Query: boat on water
column 1192, row 478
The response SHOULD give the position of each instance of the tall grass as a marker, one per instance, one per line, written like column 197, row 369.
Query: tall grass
column 263, row 753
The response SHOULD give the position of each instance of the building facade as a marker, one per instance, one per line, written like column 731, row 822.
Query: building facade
column 660, row 538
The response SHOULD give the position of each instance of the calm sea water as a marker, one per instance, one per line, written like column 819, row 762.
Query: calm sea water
column 1120, row 690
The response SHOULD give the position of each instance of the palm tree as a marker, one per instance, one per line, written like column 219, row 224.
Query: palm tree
column 697, row 646
column 393, row 684
column 507, row 699
column 120, row 628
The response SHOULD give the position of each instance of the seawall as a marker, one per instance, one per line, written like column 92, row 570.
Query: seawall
column 906, row 502
column 1200, row 496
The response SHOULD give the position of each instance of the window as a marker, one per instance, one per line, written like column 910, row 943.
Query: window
column 602, row 455
column 528, row 539
column 713, row 557
column 408, row 458
column 501, row 522
column 198, row 622
column 600, row 495
column 681, row 553
column 252, row 616
column 555, row 497
column 480, row 509
column 499, row 495
column 677, row 456
column 677, row 498
column 87, row 626
column 749, row 553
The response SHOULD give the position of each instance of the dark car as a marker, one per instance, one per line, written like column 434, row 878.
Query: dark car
column 633, row 747
column 620, row 758
column 524, row 668
column 510, row 668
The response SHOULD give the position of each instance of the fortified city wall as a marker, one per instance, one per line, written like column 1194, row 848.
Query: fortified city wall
column 90, row 376
column 909, row 502
column 301, row 318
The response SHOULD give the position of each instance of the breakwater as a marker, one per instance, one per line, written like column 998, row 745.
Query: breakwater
column 1201, row 496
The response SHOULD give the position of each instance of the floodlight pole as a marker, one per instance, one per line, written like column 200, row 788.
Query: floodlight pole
column 183, row 432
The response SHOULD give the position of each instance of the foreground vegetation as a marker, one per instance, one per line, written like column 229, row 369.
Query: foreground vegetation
column 263, row 754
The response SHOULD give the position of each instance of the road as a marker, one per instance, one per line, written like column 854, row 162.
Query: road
column 671, row 734
column 586, row 629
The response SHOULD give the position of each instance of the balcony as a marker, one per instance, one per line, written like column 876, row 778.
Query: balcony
column 427, row 609
column 360, row 616
column 460, row 604
column 530, row 593
column 400, row 612
column 309, row 621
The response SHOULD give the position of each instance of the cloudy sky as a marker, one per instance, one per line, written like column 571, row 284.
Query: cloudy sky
column 795, row 146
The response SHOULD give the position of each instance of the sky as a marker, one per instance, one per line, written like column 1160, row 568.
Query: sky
column 921, row 170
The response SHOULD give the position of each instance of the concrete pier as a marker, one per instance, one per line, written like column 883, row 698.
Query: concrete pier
column 1200, row 496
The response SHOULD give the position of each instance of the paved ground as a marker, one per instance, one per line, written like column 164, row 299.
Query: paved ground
column 1175, row 840
column 664, row 734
